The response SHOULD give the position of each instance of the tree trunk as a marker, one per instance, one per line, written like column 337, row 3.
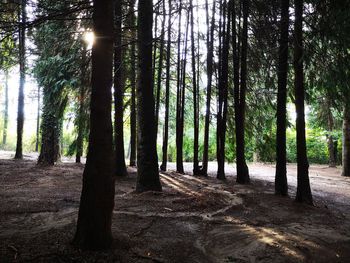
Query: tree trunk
column 240, row 93
column 210, row 52
column 84, row 83
column 281, row 185
column 50, row 128
column 195, row 96
column 80, row 137
column 330, row 140
column 303, row 184
column 147, row 160
column 160, row 65
column 155, row 42
column 167, row 95
column 179, row 165
column 181, row 107
column 6, row 110
column 22, row 69
column 133, row 89
column 223, row 91
column 346, row 142
column 38, row 123
column 97, row 197
column 118, row 94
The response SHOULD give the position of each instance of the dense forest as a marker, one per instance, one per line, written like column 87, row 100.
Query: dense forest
column 146, row 94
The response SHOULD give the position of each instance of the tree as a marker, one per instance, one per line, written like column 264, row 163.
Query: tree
column 167, row 94
column 160, row 64
column 83, row 99
column 57, row 70
column 132, row 24
column 97, row 197
column 147, row 160
column 6, row 110
column 240, row 87
column 181, row 90
column 281, row 186
column 223, row 89
column 346, row 142
column 195, row 97
column 118, row 93
column 38, row 121
column 303, row 187
column 22, row 69
column 210, row 53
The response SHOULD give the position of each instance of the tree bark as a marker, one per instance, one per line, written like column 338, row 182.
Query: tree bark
column 330, row 139
column 167, row 95
column 22, row 69
column 181, row 106
column 281, row 185
column 51, row 126
column 179, row 166
column 38, row 123
column 210, row 53
column 195, row 96
column 346, row 142
column 160, row 65
column 240, row 94
column 80, row 137
column 133, row 88
column 147, row 160
column 6, row 110
column 223, row 91
column 303, row 185
column 97, row 197
column 118, row 94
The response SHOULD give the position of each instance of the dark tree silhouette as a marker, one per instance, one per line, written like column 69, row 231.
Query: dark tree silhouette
column 240, row 87
column 167, row 94
column 118, row 93
column 281, row 186
column 97, row 197
column 147, row 160
column 210, row 53
column 303, row 186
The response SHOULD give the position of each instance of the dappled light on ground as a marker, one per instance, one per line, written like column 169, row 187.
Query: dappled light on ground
column 194, row 219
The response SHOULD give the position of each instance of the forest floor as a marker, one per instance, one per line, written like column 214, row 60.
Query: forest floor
column 194, row 219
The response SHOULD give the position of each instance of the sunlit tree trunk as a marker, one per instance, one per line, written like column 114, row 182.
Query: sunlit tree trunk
column 22, row 69
column 147, row 160
column 281, row 186
column 303, row 184
column 97, row 197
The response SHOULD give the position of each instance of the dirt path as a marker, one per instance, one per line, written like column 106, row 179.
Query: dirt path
column 192, row 220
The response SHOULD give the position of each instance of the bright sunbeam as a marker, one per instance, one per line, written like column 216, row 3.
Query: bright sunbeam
column 89, row 38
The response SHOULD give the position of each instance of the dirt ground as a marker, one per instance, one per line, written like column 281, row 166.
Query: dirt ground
column 193, row 220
